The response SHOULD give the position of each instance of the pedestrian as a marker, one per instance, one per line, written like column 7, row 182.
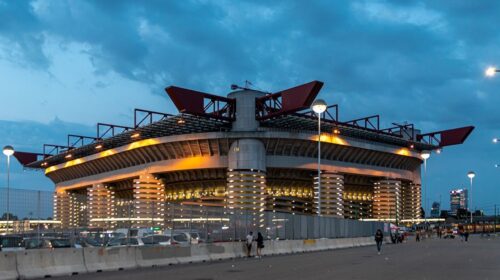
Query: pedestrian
column 379, row 237
column 417, row 237
column 466, row 235
column 249, row 241
column 260, row 244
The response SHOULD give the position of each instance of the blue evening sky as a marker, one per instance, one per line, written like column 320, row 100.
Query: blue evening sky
column 66, row 65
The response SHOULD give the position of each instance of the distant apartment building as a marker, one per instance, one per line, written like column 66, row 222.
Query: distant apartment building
column 458, row 200
column 435, row 209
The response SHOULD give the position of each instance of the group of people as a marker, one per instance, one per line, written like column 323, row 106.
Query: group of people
column 260, row 244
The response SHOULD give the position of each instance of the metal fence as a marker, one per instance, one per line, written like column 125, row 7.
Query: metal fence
column 80, row 215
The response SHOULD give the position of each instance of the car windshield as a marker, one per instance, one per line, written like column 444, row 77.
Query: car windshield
column 180, row 238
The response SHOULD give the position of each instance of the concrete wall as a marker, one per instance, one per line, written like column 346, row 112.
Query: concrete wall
column 42, row 263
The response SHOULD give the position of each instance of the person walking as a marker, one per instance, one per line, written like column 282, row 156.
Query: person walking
column 417, row 236
column 260, row 245
column 249, row 241
column 379, row 238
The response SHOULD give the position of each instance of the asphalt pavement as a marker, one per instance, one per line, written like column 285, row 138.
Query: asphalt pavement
column 429, row 259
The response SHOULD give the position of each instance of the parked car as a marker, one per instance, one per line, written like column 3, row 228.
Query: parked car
column 157, row 239
column 10, row 243
column 87, row 242
column 35, row 243
column 124, row 241
column 180, row 238
column 56, row 243
column 134, row 232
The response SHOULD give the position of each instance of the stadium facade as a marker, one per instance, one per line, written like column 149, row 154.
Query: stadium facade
column 248, row 152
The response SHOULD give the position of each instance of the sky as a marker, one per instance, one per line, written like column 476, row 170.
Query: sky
column 66, row 65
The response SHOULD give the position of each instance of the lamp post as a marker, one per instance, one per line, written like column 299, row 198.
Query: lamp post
column 425, row 156
column 491, row 71
column 319, row 106
column 471, row 176
column 8, row 151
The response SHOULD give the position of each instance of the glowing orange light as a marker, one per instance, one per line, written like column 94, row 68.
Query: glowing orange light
column 336, row 131
column 181, row 121
column 98, row 146
column 68, row 156
column 412, row 146
column 403, row 152
column 135, row 135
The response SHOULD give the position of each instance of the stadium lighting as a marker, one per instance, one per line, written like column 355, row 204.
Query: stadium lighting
column 319, row 106
column 491, row 71
column 8, row 151
column 471, row 176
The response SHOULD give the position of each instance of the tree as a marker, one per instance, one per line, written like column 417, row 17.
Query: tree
column 11, row 216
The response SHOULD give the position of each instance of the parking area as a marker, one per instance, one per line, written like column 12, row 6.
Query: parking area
column 430, row 259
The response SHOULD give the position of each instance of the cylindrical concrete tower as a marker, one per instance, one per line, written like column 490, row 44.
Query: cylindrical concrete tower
column 247, row 164
column 245, row 109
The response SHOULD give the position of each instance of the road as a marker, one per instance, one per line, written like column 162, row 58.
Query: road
column 430, row 259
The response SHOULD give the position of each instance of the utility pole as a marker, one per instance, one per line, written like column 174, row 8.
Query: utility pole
column 495, row 221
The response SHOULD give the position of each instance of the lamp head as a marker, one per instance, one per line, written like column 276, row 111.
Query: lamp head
column 425, row 155
column 490, row 71
column 471, row 174
column 495, row 140
column 318, row 106
column 8, row 150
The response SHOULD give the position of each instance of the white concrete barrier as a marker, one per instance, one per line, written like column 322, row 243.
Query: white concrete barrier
column 161, row 255
column 240, row 249
column 199, row 253
column 344, row 243
column 64, row 262
column 8, row 266
column 221, row 251
column 268, row 249
column 109, row 258
column 308, row 245
column 50, row 263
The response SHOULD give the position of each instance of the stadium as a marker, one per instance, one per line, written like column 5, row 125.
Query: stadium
column 250, row 153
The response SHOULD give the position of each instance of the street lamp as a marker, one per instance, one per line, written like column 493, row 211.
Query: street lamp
column 491, row 71
column 495, row 140
column 425, row 155
column 319, row 106
column 8, row 151
column 471, row 176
